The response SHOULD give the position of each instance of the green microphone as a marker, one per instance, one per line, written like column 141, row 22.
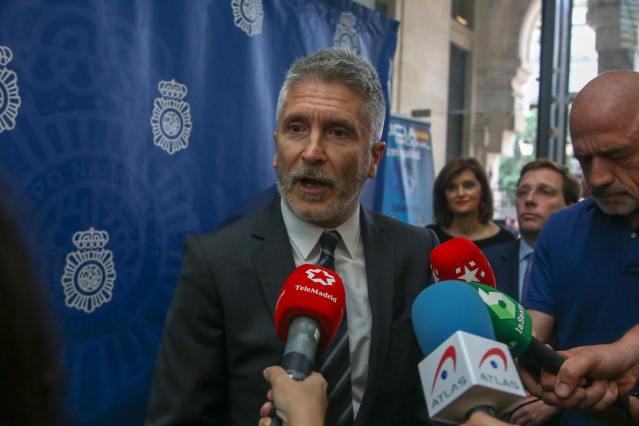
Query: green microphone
column 513, row 327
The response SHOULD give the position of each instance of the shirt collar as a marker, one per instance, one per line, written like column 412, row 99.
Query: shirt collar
column 524, row 249
column 305, row 235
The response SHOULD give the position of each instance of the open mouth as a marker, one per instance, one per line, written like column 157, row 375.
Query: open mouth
column 310, row 182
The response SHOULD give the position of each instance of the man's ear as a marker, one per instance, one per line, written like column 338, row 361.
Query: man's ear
column 275, row 156
column 377, row 152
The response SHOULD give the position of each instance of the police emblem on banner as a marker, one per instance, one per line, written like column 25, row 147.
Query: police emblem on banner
column 345, row 34
column 171, row 119
column 89, row 273
column 248, row 15
column 9, row 96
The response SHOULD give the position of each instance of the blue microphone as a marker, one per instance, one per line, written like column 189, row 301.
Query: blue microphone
column 446, row 307
column 465, row 369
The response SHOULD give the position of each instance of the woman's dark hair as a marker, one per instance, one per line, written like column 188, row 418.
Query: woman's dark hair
column 29, row 362
column 450, row 170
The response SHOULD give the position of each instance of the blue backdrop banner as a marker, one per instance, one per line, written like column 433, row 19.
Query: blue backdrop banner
column 126, row 124
column 409, row 175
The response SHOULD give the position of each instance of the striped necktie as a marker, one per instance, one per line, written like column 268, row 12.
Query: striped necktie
column 334, row 361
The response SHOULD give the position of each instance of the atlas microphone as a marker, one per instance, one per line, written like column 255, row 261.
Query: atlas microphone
column 460, row 259
column 465, row 369
column 309, row 311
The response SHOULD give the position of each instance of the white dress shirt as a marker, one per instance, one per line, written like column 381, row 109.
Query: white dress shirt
column 351, row 267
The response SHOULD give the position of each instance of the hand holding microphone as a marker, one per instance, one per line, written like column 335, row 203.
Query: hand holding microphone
column 298, row 402
column 308, row 313
column 511, row 322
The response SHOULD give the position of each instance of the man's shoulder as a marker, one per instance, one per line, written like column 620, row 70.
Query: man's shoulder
column 262, row 222
column 571, row 215
column 396, row 228
column 565, row 225
column 501, row 248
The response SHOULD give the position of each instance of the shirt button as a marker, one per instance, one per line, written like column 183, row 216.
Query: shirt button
column 633, row 235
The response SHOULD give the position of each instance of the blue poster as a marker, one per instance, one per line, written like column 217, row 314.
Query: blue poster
column 409, row 173
column 124, row 126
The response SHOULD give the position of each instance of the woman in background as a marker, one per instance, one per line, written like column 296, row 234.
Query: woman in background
column 463, row 205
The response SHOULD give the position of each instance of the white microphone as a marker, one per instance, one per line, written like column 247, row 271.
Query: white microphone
column 466, row 370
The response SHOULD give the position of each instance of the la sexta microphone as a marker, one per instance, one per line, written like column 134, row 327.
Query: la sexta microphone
column 465, row 369
column 308, row 313
column 513, row 327
column 460, row 259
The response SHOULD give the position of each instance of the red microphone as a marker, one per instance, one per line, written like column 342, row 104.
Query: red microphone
column 460, row 259
column 309, row 311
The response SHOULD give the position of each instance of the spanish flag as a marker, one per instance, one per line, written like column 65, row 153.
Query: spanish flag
column 422, row 135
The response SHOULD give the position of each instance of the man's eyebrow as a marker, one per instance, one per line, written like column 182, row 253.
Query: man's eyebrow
column 292, row 117
column 608, row 151
column 341, row 123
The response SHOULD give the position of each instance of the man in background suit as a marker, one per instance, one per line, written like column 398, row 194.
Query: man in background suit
column 544, row 186
column 219, row 334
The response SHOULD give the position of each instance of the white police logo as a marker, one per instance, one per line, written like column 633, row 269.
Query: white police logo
column 171, row 119
column 345, row 34
column 9, row 96
column 325, row 279
column 89, row 273
column 248, row 15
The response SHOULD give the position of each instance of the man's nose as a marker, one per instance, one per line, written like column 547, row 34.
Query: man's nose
column 531, row 197
column 600, row 172
column 314, row 150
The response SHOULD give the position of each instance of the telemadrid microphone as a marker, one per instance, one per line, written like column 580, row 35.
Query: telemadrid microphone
column 465, row 369
column 460, row 259
column 308, row 313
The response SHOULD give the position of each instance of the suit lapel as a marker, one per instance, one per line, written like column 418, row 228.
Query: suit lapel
column 510, row 259
column 272, row 257
column 379, row 276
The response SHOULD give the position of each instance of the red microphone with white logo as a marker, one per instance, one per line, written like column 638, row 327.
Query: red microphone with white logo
column 460, row 259
column 309, row 311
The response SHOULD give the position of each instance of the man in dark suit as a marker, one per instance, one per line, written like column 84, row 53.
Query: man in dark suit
column 544, row 186
column 219, row 334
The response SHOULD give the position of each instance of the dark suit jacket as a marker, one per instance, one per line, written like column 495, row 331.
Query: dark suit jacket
column 504, row 259
column 220, row 335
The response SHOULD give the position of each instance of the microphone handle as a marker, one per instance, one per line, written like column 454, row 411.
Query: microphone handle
column 299, row 354
column 538, row 355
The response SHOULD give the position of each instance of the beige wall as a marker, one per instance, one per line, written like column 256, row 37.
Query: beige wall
column 420, row 78
column 496, row 71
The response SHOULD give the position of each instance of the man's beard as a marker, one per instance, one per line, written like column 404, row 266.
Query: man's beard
column 622, row 206
column 347, row 191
